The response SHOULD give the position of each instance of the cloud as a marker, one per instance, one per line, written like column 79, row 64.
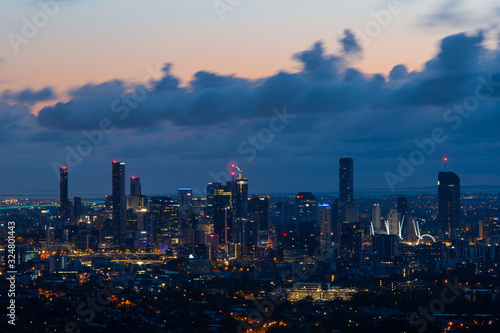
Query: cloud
column 455, row 13
column 398, row 72
column 350, row 44
column 28, row 96
column 339, row 110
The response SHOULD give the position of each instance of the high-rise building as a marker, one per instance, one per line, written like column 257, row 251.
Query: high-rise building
column 307, row 223
column 305, row 203
column 284, row 213
column 376, row 218
column 77, row 210
column 325, row 222
column 350, row 237
column 258, row 211
column 386, row 247
column 63, row 195
column 449, row 205
column 185, row 198
column 135, row 186
column 219, row 210
column 402, row 206
column 165, row 213
column 393, row 220
column 50, row 238
column 119, row 203
column 346, row 185
column 489, row 228
column 240, row 207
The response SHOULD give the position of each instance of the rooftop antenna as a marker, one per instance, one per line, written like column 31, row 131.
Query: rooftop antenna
column 445, row 162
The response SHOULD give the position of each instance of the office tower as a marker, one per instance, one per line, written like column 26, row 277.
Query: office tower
column 219, row 210
column 346, row 189
column 240, row 206
column 393, row 220
column 386, row 247
column 63, row 194
column 305, row 204
column 185, row 198
column 165, row 213
column 119, row 204
column 489, row 227
column 307, row 223
column 376, row 218
column 284, row 213
column 50, row 238
column 135, row 186
column 402, row 206
column 325, row 222
column 77, row 210
column 258, row 211
column 449, row 205
column 350, row 237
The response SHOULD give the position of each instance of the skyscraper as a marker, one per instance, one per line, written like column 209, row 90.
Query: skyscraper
column 346, row 189
column 50, row 239
column 219, row 210
column 63, row 194
column 449, row 205
column 393, row 220
column 402, row 207
column 240, row 206
column 325, row 222
column 135, row 186
column 77, row 210
column 307, row 223
column 258, row 211
column 165, row 212
column 185, row 199
column 119, row 203
column 305, row 203
column 376, row 218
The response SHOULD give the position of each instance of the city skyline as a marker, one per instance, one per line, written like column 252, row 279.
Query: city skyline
column 262, row 166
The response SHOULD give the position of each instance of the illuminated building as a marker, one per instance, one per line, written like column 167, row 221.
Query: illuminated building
column 135, row 186
column 119, row 204
column 185, row 198
column 325, row 222
column 449, row 205
column 376, row 218
column 219, row 210
column 346, row 180
column 63, row 193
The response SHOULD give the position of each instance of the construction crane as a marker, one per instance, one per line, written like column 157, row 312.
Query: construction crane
column 233, row 166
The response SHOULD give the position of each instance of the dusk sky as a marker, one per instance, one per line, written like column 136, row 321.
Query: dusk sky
column 184, row 88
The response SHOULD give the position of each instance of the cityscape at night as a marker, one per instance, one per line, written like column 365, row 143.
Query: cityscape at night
column 250, row 166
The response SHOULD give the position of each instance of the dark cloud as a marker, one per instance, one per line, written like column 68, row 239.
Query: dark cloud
column 28, row 96
column 398, row 72
column 350, row 44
